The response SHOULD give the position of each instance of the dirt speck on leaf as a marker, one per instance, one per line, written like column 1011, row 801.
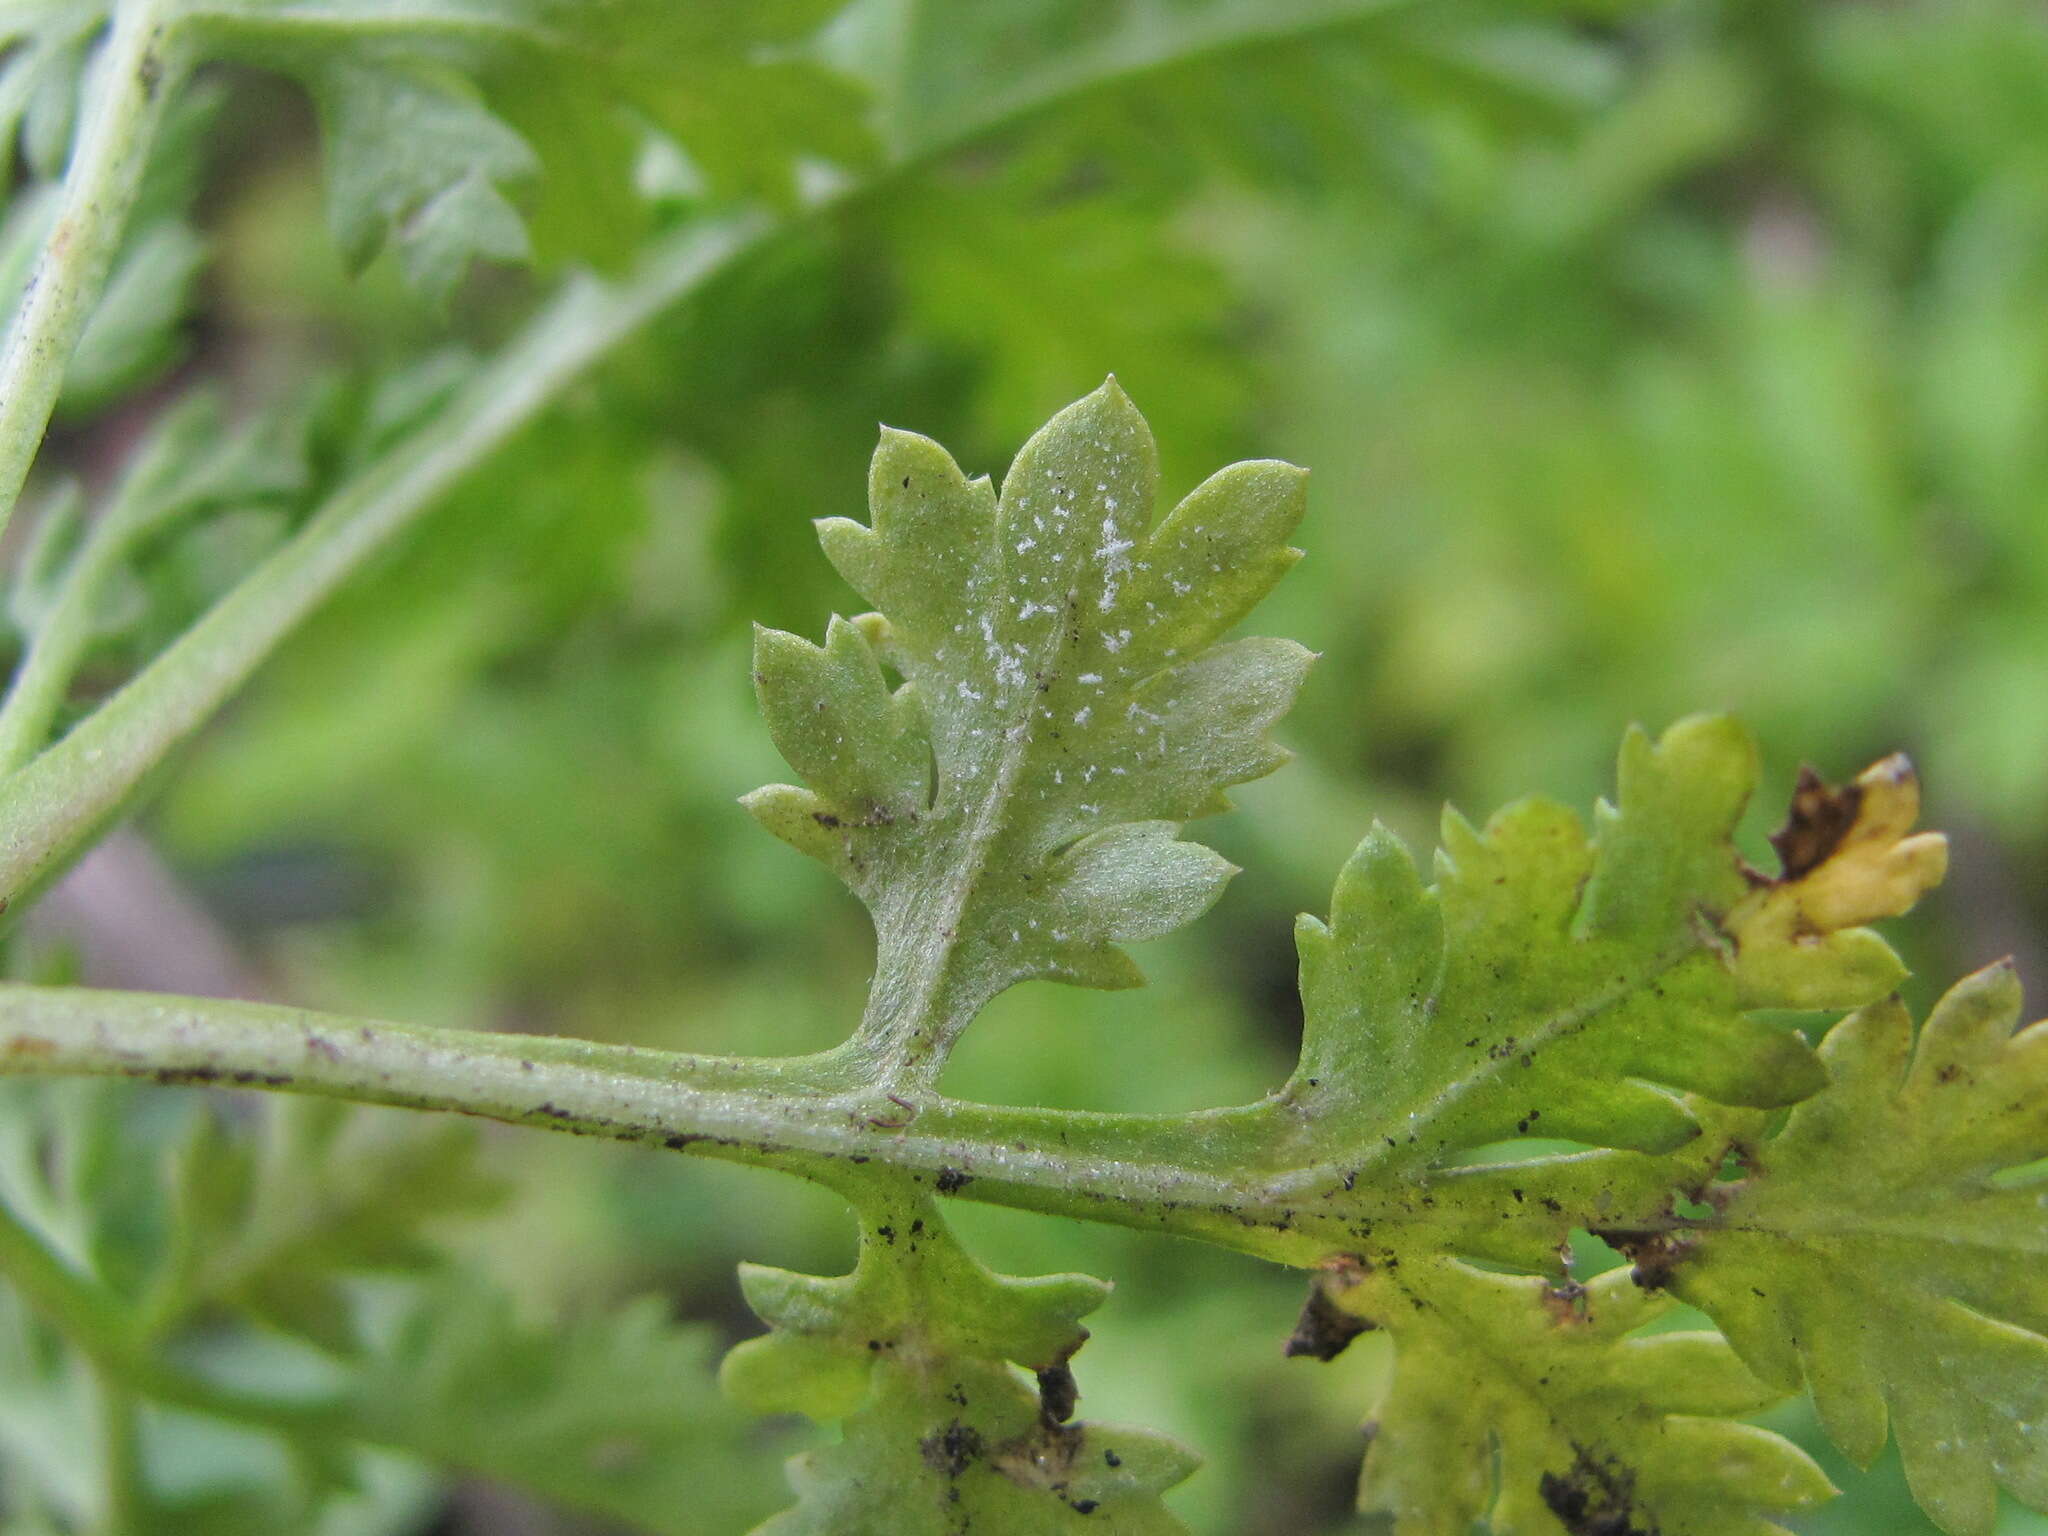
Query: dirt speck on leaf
column 1324, row 1330
column 1595, row 1499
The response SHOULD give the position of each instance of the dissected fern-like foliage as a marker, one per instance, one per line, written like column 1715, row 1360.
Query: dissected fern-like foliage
column 1577, row 1026
column 266, row 1297
column 1623, row 987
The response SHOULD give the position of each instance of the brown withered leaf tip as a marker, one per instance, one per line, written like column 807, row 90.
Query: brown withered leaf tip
column 1325, row 1329
column 1851, row 856
column 1820, row 816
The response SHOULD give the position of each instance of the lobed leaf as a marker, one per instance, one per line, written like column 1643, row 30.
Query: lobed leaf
column 275, row 1226
column 43, row 52
column 1553, row 984
column 916, row 1352
column 444, row 122
column 615, row 1414
column 1887, row 1248
column 468, row 130
column 1011, row 810
column 289, row 1268
column 1540, row 1410
column 1850, row 858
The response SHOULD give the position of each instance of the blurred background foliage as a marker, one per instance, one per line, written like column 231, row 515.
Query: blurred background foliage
column 1649, row 359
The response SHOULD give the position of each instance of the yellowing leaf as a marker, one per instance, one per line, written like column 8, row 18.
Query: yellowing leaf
column 1886, row 1250
column 1531, row 1406
column 1850, row 857
column 1549, row 983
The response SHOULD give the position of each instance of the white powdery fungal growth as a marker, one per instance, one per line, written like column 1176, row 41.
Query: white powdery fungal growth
column 1115, row 555
column 1068, row 701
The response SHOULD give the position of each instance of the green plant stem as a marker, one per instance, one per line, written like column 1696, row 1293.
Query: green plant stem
column 50, row 809
column 53, row 807
column 800, row 1114
column 59, row 642
column 126, row 1508
column 130, row 80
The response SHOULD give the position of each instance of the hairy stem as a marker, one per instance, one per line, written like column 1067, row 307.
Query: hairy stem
column 799, row 1114
column 129, row 82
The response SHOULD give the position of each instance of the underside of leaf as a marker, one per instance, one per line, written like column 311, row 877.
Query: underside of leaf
column 1533, row 1407
column 1010, row 810
column 1888, row 1249
column 918, row 1352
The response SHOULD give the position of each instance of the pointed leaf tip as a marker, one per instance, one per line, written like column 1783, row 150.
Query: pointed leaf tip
column 1064, row 679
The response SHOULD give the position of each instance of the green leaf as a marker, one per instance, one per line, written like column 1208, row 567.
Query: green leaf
column 43, row 50
column 443, row 121
column 1552, row 984
column 914, row 1351
column 191, row 1236
column 617, row 1414
column 1040, row 287
column 83, row 585
column 1010, row 811
column 233, row 1254
column 135, row 329
column 1883, row 1249
column 1039, row 50
column 152, row 1196
column 273, row 1227
column 1540, row 1410
column 448, row 126
column 417, row 156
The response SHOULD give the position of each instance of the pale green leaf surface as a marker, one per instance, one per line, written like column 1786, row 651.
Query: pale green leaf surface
column 1531, row 1407
column 135, row 328
column 47, row 1414
column 440, row 118
column 1037, row 50
column 165, row 1207
column 42, row 55
column 1010, row 812
column 917, row 1352
column 274, row 1226
column 1874, row 1251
